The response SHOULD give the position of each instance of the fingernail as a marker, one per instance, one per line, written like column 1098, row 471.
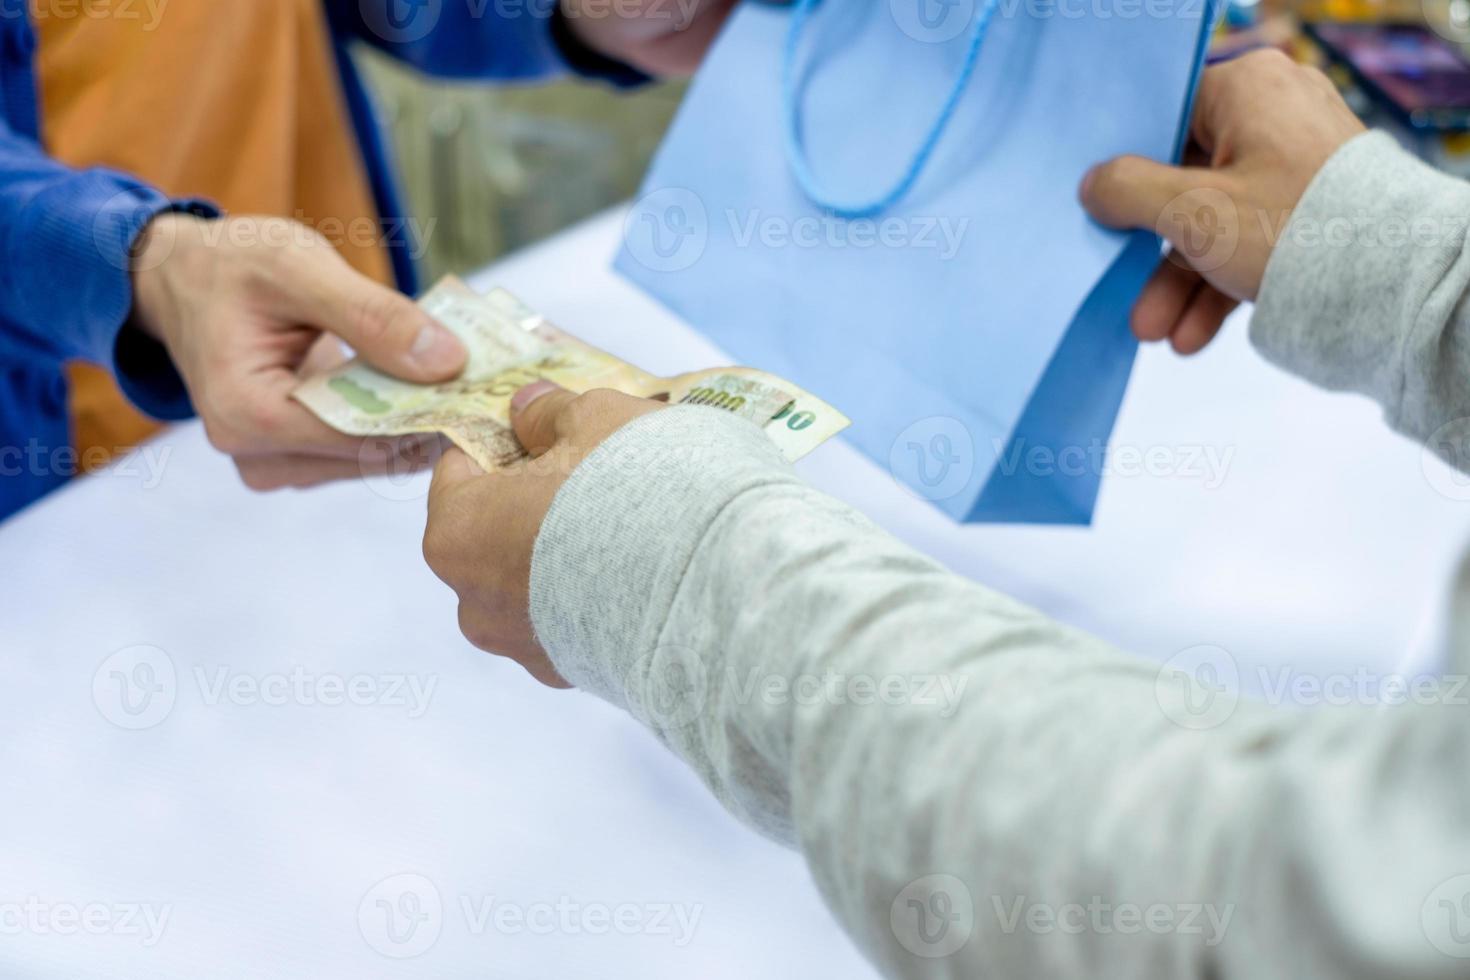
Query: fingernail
column 436, row 349
column 530, row 393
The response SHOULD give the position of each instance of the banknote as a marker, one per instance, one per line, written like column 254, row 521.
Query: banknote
column 510, row 345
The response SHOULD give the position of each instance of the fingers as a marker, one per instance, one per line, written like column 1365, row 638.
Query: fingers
column 378, row 457
column 1163, row 301
column 1208, row 117
column 534, row 411
column 1218, row 90
column 1134, row 192
column 264, row 473
column 279, row 423
column 385, row 327
column 326, row 354
column 1201, row 320
column 544, row 414
column 274, row 424
column 1178, row 305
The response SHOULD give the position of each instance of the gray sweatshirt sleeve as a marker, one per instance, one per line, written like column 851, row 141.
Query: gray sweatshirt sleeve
column 978, row 790
column 1366, row 290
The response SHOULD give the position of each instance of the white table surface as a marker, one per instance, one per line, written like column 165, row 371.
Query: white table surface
column 269, row 827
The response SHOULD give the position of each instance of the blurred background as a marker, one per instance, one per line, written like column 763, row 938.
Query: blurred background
column 498, row 168
column 495, row 169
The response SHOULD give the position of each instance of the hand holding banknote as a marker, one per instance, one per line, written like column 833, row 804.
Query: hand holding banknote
column 511, row 346
column 528, row 408
column 246, row 307
column 482, row 527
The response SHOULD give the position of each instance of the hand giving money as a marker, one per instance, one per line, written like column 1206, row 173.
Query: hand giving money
column 510, row 346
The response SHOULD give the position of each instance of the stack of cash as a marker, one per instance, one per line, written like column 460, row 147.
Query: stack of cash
column 511, row 346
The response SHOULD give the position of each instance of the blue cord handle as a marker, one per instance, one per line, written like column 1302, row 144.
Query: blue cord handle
column 796, row 154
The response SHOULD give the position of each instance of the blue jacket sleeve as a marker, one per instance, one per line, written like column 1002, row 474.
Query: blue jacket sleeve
column 476, row 39
column 66, row 237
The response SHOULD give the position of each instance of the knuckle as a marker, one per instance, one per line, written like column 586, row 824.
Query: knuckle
column 380, row 316
column 595, row 402
column 445, row 532
column 223, row 436
column 435, row 545
column 476, row 628
column 586, row 409
column 1265, row 59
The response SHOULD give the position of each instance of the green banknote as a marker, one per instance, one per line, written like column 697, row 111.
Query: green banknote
column 510, row 346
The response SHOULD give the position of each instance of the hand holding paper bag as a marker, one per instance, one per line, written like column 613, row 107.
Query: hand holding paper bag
column 1265, row 126
column 985, row 375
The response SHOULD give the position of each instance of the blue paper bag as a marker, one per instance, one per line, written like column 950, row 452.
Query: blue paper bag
column 881, row 204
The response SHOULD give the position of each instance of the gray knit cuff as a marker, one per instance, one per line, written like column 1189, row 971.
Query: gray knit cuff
column 614, row 546
column 1345, row 281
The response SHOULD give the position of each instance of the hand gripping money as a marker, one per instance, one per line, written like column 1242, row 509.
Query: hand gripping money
column 511, row 346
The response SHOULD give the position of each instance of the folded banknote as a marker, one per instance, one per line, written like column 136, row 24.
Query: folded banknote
column 510, row 346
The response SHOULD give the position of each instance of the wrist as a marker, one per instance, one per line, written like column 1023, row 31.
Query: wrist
column 161, row 247
column 1361, row 256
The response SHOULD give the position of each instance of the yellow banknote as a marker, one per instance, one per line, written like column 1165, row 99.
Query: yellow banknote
column 510, row 346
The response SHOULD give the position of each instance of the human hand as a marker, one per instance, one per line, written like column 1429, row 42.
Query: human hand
column 655, row 36
column 482, row 526
column 1263, row 126
column 245, row 307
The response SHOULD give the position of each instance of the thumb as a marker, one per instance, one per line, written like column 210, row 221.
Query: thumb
column 534, row 411
column 385, row 327
column 1135, row 192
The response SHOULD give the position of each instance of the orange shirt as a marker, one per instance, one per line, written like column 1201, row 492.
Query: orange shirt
column 238, row 102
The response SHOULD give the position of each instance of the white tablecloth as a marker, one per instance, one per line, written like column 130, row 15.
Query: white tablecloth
column 240, row 735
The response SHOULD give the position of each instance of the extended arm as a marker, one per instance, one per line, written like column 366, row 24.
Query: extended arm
column 66, row 237
column 926, row 740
